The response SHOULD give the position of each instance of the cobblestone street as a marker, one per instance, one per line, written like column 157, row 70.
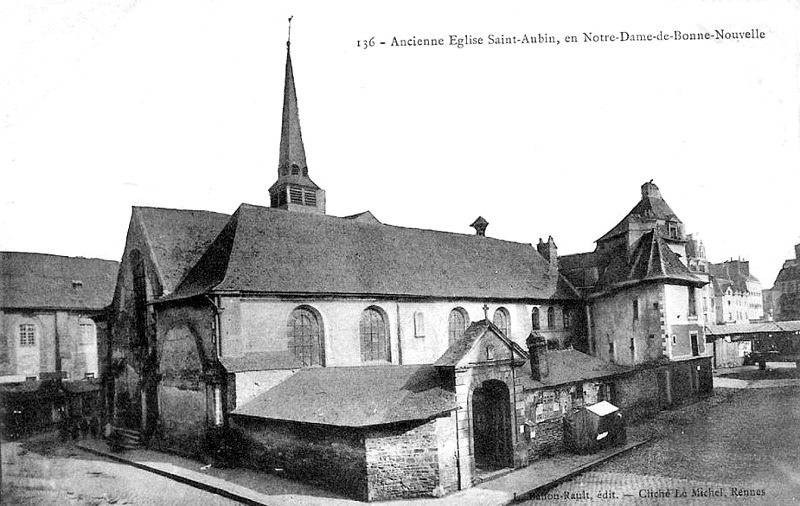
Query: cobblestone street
column 737, row 447
column 43, row 472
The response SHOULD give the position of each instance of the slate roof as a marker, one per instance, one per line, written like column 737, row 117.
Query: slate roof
column 36, row 280
column 354, row 396
column 788, row 273
column 178, row 238
column 266, row 250
column 459, row 349
column 652, row 260
column 647, row 209
column 752, row 328
column 570, row 366
column 261, row 361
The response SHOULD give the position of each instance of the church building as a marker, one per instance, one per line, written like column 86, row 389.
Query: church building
column 383, row 360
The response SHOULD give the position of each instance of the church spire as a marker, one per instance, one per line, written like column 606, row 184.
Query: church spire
column 293, row 190
column 292, row 152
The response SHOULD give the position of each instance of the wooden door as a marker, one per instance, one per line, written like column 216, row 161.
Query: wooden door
column 491, row 419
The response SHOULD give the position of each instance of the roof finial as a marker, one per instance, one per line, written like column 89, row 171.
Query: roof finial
column 289, row 38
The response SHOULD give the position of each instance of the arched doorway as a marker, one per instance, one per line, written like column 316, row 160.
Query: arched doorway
column 491, row 425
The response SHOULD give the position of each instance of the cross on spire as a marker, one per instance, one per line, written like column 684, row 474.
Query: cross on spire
column 289, row 38
column 485, row 312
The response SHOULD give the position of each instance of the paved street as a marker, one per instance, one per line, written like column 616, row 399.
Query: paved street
column 42, row 472
column 748, row 440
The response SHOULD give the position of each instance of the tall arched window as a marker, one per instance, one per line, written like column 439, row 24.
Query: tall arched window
column 535, row 323
column 457, row 324
column 306, row 337
column 374, row 336
column 551, row 318
column 501, row 320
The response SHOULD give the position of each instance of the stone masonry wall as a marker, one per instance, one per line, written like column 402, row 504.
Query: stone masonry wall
column 403, row 460
column 331, row 457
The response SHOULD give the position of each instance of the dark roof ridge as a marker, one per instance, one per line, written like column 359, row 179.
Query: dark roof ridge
column 5, row 252
column 330, row 216
column 157, row 208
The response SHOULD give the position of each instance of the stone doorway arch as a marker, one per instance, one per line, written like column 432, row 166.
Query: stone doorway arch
column 491, row 425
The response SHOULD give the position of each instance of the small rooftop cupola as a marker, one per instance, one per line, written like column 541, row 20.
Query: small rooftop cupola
column 649, row 189
column 293, row 190
column 480, row 225
column 548, row 250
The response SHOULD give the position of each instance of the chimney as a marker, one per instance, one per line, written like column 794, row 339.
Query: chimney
column 650, row 190
column 537, row 351
column 548, row 250
column 797, row 251
column 480, row 225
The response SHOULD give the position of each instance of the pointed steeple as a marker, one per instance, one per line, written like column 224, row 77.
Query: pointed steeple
column 293, row 190
column 292, row 153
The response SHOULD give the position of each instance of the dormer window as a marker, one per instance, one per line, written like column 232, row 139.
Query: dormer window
column 77, row 283
column 672, row 227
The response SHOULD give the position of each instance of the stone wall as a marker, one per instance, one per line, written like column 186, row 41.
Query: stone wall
column 331, row 457
column 403, row 461
column 637, row 394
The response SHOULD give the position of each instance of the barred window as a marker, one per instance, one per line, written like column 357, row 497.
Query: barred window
column 27, row 334
column 501, row 320
column 306, row 337
column 457, row 324
column 373, row 331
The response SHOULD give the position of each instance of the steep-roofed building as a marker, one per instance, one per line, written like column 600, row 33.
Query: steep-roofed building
column 643, row 299
column 782, row 301
column 302, row 331
column 49, row 305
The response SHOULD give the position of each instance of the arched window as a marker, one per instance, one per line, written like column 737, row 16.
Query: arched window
column 535, row 323
column 501, row 320
column 457, row 324
column 551, row 318
column 374, row 336
column 27, row 334
column 305, row 337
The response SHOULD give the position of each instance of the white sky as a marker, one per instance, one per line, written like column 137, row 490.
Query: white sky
column 105, row 105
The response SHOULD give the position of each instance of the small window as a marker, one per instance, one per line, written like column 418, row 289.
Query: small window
column 674, row 339
column 692, row 302
column 551, row 318
column 77, row 283
column 673, row 229
column 27, row 334
column 651, row 336
column 535, row 323
column 655, row 306
column 635, row 309
column 501, row 319
column 567, row 318
column 87, row 333
column 295, row 195
column 419, row 324
column 611, row 352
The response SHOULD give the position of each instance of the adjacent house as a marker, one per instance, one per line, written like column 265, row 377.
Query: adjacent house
column 782, row 301
column 52, row 320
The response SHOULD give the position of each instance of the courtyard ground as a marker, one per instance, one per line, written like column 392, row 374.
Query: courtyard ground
column 738, row 447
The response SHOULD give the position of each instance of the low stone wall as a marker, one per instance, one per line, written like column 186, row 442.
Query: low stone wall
column 403, row 460
column 636, row 394
column 331, row 457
